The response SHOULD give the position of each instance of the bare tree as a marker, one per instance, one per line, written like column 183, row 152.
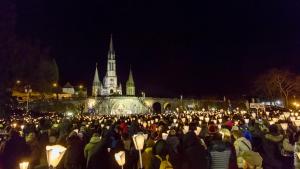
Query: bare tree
column 277, row 82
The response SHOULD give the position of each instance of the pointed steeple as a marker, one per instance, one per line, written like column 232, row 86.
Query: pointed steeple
column 130, row 78
column 111, row 46
column 96, row 83
column 130, row 87
column 96, row 76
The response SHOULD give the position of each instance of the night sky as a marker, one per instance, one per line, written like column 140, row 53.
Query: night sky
column 194, row 48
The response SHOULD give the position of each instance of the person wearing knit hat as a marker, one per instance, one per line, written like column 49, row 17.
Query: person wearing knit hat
column 252, row 160
column 212, row 129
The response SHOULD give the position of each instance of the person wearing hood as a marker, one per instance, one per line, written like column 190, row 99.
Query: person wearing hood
column 241, row 144
column 14, row 151
column 35, row 148
column 74, row 156
column 194, row 154
column 89, row 148
column 251, row 160
column 271, row 151
column 221, row 153
column 160, row 153
column 99, row 157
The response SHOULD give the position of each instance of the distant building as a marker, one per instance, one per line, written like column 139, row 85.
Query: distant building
column 110, row 82
column 68, row 89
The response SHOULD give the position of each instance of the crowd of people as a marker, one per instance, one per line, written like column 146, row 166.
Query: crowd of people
column 206, row 139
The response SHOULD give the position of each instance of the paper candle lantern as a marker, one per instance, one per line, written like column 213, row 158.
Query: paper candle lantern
column 206, row 119
column 297, row 123
column 284, row 126
column 138, row 140
column 120, row 158
column 293, row 119
column 220, row 120
column 144, row 124
column 145, row 136
column 164, row 136
column 253, row 115
column 286, row 114
column 215, row 121
column 24, row 165
column 55, row 154
column 246, row 121
column 275, row 120
column 185, row 129
column 197, row 131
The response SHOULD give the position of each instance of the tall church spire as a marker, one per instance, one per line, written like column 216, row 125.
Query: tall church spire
column 111, row 46
column 130, row 87
column 96, row 83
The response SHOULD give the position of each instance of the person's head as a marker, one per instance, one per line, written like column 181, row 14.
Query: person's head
column 226, row 135
column 273, row 129
column 160, row 148
column 251, row 160
column 31, row 137
column 237, row 134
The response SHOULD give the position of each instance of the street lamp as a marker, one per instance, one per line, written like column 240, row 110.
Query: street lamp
column 138, row 140
column 54, row 155
column 28, row 90
column 55, row 85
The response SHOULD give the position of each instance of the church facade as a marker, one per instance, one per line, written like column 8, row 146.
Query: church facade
column 110, row 85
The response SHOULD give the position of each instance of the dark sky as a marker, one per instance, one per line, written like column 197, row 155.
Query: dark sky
column 195, row 48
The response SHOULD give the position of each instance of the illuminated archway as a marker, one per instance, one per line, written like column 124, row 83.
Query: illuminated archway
column 167, row 106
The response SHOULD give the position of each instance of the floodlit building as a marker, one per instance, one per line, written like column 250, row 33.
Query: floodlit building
column 110, row 84
column 68, row 89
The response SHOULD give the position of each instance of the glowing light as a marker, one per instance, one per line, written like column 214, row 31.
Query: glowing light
column 55, row 154
column 24, row 165
column 185, row 129
column 284, row 126
column 91, row 103
column 120, row 158
column 138, row 140
column 164, row 136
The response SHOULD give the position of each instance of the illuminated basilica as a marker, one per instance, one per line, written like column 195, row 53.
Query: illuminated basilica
column 111, row 98
column 110, row 86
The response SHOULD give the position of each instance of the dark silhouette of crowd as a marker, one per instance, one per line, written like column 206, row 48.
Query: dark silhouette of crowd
column 181, row 140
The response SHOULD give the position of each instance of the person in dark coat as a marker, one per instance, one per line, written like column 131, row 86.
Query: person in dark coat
column 271, row 152
column 161, row 149
column 99, row 157
column 194, row 154
column 15, row 150
column 74, row 156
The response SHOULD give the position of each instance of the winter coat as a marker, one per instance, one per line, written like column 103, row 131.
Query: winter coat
column 89, row 148
column 160, row 148
column 296, row 158
column 36, row 152
column 194, row 154
column 220, row 154
column 74, row 156
column 271, row 151
column 241, row 145
column 99, row 157
column 15, row 150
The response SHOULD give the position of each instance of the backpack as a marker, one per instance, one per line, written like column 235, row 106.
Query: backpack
column 164, row 164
